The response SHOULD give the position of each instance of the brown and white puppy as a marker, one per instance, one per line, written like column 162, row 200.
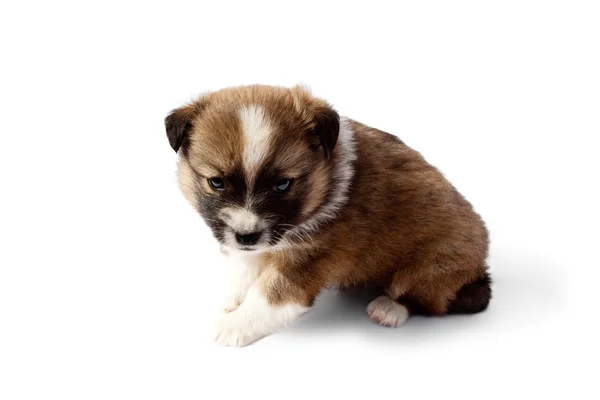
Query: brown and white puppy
column 301, row 200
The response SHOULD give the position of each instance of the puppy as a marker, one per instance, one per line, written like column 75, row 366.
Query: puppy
column 301, row 200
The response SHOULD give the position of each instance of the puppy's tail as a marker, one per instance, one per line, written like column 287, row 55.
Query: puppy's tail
column 472, row 297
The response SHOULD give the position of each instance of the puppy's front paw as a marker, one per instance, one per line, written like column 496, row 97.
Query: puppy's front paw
column 231, row 305
column 232, row 331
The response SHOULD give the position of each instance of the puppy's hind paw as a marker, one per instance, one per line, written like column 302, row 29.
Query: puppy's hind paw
column 387, row 312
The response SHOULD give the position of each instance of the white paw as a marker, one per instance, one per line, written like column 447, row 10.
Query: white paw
column 231, row 304
column 232, row 331
column 387, row 312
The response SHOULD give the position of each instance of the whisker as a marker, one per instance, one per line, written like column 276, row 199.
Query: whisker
column 302, row 231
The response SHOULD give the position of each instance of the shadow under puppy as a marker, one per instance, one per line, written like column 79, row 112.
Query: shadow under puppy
column 302, row 200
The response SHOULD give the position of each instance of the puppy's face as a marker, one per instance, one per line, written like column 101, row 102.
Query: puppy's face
column 255, row 161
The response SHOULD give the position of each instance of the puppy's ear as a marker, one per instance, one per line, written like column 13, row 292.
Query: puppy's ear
column 323, row 120
column 327, row 128
column 179, row 123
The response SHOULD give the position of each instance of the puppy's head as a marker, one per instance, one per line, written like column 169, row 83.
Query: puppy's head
column 255, row 161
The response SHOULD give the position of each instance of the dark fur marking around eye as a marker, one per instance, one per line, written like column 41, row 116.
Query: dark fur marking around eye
column 283, row 207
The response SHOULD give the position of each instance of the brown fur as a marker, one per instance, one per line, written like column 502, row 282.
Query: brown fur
column 404, row 228
column 434, row 242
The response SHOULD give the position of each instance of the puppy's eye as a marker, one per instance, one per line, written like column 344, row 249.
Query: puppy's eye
column 282, row 185
column 216, row 183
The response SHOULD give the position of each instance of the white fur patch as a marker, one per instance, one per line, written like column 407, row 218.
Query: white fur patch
column 387, row 312
column 254, row 319
column 241, row 219
column 243, row 270
column 345, row 151
column 257, row 131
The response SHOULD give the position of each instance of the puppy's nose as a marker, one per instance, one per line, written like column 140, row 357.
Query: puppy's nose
column 247, row 239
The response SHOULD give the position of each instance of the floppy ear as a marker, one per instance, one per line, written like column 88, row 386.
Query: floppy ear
column 327, row 128
column 179, row 123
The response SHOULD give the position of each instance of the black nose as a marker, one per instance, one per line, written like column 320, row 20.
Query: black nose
column 247, row 239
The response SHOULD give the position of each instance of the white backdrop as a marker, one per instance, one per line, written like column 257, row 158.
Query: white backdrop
column 110, row 283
